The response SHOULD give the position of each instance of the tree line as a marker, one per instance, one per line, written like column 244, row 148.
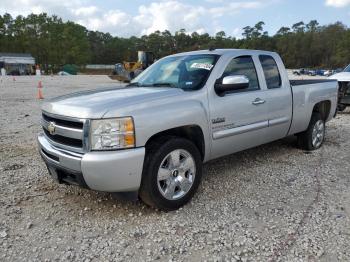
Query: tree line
column 54, row 42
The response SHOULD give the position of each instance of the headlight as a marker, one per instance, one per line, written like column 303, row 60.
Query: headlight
column 112, row 133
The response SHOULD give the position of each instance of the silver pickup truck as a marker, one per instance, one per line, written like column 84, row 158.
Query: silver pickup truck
column 154, row 135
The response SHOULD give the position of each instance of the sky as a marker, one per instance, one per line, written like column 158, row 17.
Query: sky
column 135, row 17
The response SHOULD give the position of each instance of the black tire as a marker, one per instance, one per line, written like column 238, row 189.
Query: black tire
column 305, row 138
column 156, row 152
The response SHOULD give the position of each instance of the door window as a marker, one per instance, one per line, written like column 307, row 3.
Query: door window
column 272, row 75
column 243, row 65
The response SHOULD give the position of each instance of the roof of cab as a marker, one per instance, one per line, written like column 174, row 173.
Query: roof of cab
column 224, row 52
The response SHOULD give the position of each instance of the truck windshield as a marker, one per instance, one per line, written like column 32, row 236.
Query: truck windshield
column 347, row 69
column 188, row 72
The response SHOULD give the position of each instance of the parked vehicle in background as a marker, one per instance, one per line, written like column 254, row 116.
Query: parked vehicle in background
column 343, row 79
column 186, row 109
column 303, row 71
column 328, row 72
column 296, row 72
column 320, row 72
column 311, row 72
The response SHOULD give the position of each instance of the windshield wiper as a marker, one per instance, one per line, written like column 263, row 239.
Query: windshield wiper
column 134, row 84
column 160, row 84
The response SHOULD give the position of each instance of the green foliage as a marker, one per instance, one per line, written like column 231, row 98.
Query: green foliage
column 51, row 41
column 55, row 43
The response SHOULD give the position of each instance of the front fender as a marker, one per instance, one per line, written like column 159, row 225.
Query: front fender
column 158, row 118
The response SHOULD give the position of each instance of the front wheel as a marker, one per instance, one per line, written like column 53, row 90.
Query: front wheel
column 313, row 137
column 172, row 173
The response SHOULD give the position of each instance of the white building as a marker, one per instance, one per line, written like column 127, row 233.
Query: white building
column 17, row 63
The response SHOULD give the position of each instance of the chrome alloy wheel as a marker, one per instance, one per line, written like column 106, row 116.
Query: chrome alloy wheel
column 176, row 174
column 318, row 134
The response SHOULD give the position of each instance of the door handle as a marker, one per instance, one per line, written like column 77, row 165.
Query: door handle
column 258, row 101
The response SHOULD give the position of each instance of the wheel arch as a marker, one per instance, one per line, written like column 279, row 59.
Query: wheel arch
column 324, row 108
column 194, row 133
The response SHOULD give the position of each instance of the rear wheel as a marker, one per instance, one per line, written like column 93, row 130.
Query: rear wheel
column 313, row 137
column 171, row 174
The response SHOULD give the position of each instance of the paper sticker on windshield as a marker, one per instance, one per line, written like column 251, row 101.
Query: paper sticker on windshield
column 202, row 66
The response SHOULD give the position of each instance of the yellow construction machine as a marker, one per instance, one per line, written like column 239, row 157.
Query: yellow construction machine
column 128, row 70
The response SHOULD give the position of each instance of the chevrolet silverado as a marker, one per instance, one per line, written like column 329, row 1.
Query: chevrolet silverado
column 154, row 135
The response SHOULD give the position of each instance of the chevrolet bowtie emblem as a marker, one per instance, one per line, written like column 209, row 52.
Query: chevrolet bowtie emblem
column 51, row 128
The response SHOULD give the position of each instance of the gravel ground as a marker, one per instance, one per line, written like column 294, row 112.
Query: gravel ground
column 271, row 203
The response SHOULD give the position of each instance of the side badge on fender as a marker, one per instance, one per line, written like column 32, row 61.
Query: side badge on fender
column 218, row 120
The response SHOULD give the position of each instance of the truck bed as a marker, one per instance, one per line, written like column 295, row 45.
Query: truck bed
column 307, row 93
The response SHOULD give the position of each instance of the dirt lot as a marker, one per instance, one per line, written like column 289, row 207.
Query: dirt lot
column 274, row 202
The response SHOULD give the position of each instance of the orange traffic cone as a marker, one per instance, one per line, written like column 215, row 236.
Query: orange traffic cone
column 40, row 94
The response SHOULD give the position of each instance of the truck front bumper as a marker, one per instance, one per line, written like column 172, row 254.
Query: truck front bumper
column 109, row 171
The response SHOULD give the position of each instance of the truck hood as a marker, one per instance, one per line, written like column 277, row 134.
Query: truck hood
column 343, row 76
column 96, row 103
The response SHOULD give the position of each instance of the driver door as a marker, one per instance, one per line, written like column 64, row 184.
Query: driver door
column 239, row 119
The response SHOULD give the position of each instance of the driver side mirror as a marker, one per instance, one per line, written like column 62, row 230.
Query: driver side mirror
column 231, row 83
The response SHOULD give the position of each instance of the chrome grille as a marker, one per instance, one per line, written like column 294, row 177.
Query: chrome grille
column 64, row 132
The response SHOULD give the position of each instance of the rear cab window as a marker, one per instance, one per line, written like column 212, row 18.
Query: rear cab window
column 271, row 72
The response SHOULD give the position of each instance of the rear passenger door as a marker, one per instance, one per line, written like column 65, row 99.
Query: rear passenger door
column 279, row 97
column 239, row 119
